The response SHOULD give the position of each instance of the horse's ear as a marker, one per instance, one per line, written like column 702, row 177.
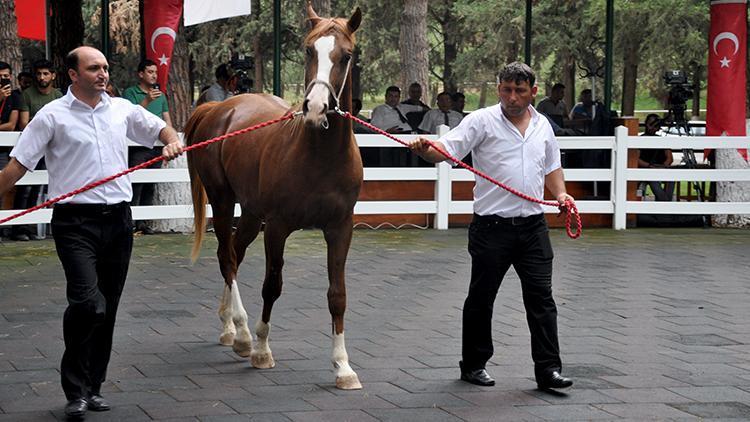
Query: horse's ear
column 311, row 15
column 354, row 21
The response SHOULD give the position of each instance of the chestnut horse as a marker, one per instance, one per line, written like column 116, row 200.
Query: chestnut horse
column 304, row 172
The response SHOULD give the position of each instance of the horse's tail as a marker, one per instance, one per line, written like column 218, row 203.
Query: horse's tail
column 196, row 185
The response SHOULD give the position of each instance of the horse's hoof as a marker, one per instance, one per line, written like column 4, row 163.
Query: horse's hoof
column 242, row 348
column 262, row 360
column 227, row 339
column 348, row 382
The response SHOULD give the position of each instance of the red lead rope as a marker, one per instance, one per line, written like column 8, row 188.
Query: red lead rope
column 146, row 164
column 569, row 207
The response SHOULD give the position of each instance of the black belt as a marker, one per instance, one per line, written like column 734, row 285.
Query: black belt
column 512, row 221
column 91, row 209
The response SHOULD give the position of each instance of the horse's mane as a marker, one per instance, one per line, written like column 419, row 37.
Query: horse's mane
column 327, row 25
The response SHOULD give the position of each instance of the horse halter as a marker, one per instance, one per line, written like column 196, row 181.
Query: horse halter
column 332, row 91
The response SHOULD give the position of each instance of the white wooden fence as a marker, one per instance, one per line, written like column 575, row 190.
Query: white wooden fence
column 443, row 174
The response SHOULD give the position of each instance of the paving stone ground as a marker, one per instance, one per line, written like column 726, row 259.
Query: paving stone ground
column 654, row 325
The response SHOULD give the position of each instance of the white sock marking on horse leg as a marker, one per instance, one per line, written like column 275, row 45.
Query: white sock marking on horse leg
column 261, row 356
column 243, row 343
column 225, row 314
column 346, row 378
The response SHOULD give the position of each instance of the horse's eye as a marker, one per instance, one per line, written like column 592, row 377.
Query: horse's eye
column 345, row 58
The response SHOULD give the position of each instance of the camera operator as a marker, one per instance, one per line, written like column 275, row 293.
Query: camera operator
column 656, row 158
column 223, row 88
column 147, row 95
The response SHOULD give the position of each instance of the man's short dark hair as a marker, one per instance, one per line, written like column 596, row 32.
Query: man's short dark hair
column 415, row 84
column 392, row 88
column 517, row 72
column 24, row 74
column 651, row 116
column 458, row 95
column 586, row 91
column 444, row 93
column 557, row 86
column 144, row 64
column 222, row 72
column 46, row 64
column 4, row 66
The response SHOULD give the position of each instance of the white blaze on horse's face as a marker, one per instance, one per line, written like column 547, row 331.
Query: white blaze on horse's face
column 317, row 99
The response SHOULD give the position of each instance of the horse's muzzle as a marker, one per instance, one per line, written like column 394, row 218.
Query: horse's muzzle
column 314, row 114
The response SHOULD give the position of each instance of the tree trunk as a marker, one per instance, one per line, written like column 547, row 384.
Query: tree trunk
column 483, row 95
column 179, row 95
column 631, row 58
column 569, row 78
column 8, row 36
column 257, row 51
column 413, row 46
column 697, row 78
column 449, row 25
column 731, row 191
column 178, row 88
column 322, row 7
column 66, row 23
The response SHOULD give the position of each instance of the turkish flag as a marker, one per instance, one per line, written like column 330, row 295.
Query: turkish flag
column 30, row 19
column 727, row 59
column 160, row 21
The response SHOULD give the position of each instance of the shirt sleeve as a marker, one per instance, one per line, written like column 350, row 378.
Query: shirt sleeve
column 551, row 149
column 25, row 102
column 32, row 144
column 464, row 137
column 128, row 94
column 143, row 126
column 426, row 124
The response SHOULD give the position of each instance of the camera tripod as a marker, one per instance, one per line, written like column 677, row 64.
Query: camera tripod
column 679, row 122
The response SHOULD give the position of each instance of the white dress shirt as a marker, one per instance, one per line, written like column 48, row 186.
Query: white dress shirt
column 385, row 117
column 83, row 144
column 499, row 150
column 436, row 117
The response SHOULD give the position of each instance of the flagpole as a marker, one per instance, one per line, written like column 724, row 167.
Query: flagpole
column 105, row 28
column 47, row 32
column 277, row 48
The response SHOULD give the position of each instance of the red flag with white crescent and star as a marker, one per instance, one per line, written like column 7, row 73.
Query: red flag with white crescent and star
column 160, row 21
column 727, row 60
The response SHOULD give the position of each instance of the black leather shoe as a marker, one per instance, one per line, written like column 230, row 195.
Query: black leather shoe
column 98, row 404
column 477, row 376
column 553, row 380
column 76, row 408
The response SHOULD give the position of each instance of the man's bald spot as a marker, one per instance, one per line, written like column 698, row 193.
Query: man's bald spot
column 72, row 58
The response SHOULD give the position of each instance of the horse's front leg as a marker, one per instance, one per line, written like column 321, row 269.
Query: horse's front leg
column 339, row 238
column 274, row 237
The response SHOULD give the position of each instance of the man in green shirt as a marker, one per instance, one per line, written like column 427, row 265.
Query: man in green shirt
column 148, row 96
column 41, row 93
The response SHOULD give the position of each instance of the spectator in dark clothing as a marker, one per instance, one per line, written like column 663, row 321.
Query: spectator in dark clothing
column 459, row 102
column 414, row 108
column 656, row 158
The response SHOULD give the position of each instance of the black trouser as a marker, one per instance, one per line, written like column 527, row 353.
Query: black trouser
column 495, row 244
column 143, row 193
column 93, row 243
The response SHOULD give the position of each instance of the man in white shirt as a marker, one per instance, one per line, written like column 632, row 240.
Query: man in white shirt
column 83, row 137
column 514, row 144
column 553, row 106
column 443, row 115
column 389, row 116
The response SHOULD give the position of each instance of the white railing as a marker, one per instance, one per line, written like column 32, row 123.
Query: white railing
column 443, row 175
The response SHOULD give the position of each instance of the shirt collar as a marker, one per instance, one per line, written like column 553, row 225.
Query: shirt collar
column 71, row 99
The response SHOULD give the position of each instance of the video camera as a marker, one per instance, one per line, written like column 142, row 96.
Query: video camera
column 679, row 92
column 242, row 66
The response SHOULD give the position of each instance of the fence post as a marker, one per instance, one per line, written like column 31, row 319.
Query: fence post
column 442, row 189
column 620, row 183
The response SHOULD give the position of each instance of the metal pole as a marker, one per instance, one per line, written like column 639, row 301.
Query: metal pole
column 47, row 33
column 277, row 48
column 528, row 33
column 608, row 52
column 105, row 28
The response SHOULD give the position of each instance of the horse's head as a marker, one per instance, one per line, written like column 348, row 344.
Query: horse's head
column 328, row 53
